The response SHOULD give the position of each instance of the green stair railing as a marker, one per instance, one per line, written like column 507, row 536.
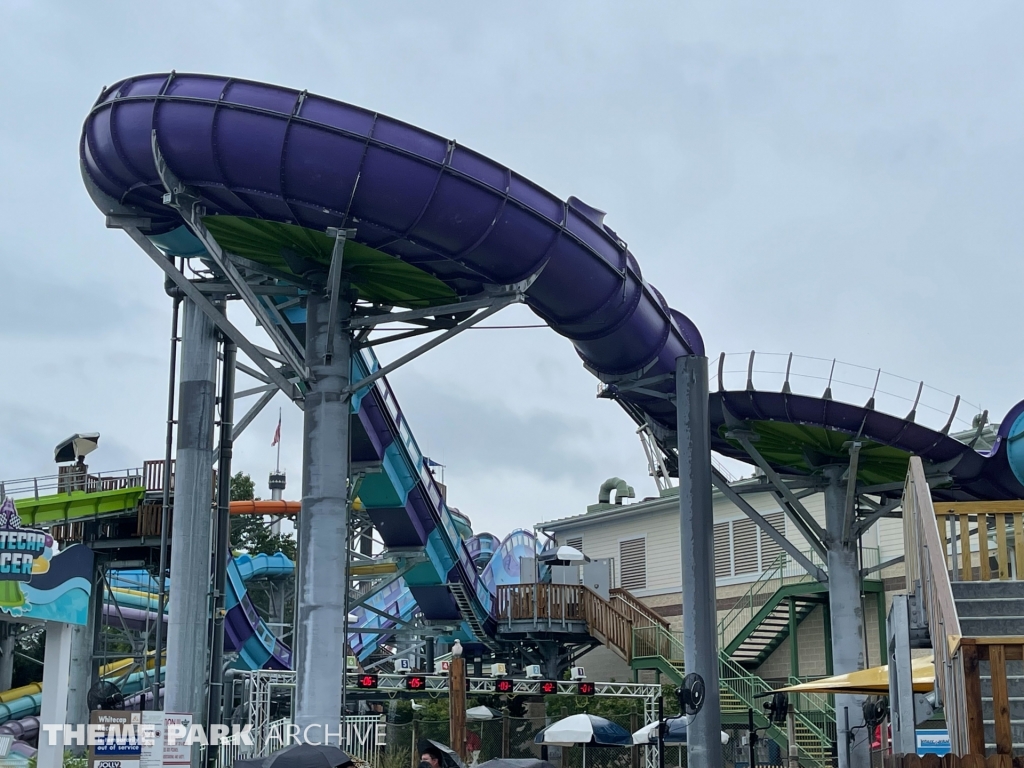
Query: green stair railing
column 819, row 702
column 656, row 648
column 783, row 571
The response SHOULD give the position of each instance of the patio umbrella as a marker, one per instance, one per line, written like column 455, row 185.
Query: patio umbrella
column 75, row 446
column 482, row 713
column 301, row 756
column 675, row 732
column 505, row 762
column 449, row 757
column 563, row 556
column 873, row 681
column 584, row 729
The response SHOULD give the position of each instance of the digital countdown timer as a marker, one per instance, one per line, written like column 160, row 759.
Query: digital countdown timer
column 367, row 682
column 415, row 683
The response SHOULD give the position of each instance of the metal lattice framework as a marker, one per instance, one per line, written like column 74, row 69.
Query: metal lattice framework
column 262, row 683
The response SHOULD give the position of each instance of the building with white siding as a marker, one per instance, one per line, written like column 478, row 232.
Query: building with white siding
column 642, row 541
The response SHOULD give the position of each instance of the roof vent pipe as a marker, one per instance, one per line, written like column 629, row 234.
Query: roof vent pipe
column 623, row 490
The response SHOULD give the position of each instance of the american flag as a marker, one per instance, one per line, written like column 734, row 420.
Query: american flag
column 277, row 433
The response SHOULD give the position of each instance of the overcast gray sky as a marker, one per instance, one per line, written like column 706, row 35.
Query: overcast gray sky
column 833, row 179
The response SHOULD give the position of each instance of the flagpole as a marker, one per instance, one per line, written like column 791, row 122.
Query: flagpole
column 279, row 439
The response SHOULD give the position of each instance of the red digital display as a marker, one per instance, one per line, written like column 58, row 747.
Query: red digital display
column 548, row 687
column 368, row 682
column 503, row 686
column 584, row 688
column 415, row 683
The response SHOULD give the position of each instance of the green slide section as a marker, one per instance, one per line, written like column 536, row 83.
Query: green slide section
column 806, row 449
column 296, row 250
column 61, row 507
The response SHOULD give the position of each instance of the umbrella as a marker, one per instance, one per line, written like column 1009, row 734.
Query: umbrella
column 75, row 446
column 504, row 762
column 675, row 732
column 873, row 681
column 482, row 713
column 563, row 556
column 584, row 729
column 300, row 756
column 449, row 757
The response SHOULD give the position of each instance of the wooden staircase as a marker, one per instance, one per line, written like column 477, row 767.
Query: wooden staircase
column 641, row 637
column 966, row 561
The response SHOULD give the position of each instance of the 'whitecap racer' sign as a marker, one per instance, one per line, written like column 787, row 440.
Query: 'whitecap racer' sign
column 35, row 583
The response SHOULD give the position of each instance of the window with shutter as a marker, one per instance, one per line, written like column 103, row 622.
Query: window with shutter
column 744, row 547
column 576, row 542
column 769, row 549
column 723, row 550
column 633, row 564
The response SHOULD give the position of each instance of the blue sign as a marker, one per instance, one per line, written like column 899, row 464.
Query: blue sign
column 933, row 742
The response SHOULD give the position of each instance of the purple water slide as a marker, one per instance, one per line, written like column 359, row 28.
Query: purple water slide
column 267, row 152
column 131, row 618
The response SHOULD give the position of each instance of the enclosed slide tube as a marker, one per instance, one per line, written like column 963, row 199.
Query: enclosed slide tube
column 272, row 163
column 272, row 154
column 276, row 167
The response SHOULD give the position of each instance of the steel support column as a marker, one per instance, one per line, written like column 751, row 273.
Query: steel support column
column 80, row 680
column 847, row 616
column 222, row 542
column 188, row 623
column 323, row 525
column 696, row 528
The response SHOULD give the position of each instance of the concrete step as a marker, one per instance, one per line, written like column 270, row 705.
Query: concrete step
column 981, row 589
column 990, row 626
column 1016, row 709
column 1014, row 685
column 990, row 606
column 1016, row 733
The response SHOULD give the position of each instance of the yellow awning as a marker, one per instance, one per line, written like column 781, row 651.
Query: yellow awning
column 870, row 682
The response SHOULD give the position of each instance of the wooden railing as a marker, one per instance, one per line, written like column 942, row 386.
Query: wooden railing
column 639, row 614
column 927, row 566
column 153, row 474
column 996, row 651
column 977, row 533
column 964, row 541
column 562, row 603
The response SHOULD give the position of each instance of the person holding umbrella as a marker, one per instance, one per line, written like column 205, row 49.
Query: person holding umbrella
column 431, row 758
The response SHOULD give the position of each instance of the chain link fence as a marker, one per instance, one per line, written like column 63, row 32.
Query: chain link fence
column 513, row 737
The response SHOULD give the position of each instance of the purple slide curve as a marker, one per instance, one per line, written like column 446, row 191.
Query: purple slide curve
column 264, row 152
column 267, row 152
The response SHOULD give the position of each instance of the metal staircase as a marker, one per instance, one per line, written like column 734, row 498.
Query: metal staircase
column 657, row 648
column 643, row 639
column 782, row 597
column 995, row 609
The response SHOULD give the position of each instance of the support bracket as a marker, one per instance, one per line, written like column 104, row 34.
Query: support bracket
column 851, row 491
column 340, row 236
column 498, row 303
column 721, row 483
column 131, row 226
column 785, row 497
column 188, row 203
column 865, row 523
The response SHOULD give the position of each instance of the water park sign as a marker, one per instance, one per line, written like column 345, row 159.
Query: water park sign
column 24, row 552
column 34, row 582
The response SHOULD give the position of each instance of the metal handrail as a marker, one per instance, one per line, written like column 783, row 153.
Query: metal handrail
column 746, row 687
column 927, row 572
column 69, row 480
column 847, row 382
